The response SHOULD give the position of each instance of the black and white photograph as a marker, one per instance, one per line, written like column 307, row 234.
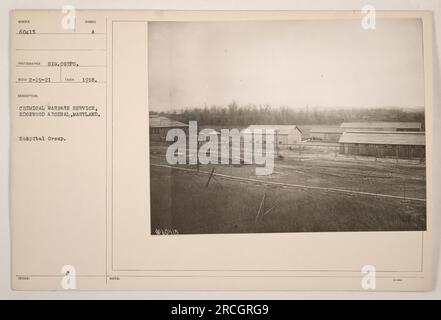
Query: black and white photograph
column 286, row 126
column 222, row 151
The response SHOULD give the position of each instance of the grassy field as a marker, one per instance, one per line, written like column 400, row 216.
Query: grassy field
column 181, row 201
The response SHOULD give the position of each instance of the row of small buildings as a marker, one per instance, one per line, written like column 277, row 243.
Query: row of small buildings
column 333, row 134
column 384, row 144
column 404, row 140
column 159, row 126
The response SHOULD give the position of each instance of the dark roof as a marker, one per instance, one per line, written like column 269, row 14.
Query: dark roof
column 281, row 129
column 163, row 122
column 325, row 130
column 381, row 125
column 384, row 137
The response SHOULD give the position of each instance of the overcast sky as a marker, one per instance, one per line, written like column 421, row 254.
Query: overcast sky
column 329, row 63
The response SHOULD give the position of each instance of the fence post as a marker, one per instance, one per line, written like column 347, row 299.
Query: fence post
column 404, row 189
column 197, row 154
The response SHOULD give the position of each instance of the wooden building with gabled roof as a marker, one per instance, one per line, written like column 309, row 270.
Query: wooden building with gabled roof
column 384, row 144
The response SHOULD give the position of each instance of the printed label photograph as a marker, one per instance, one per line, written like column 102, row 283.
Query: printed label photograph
column 286, row 126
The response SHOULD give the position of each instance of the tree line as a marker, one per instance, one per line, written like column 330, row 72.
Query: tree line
column 240, row 116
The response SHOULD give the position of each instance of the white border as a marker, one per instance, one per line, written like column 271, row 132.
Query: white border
column 5, row 6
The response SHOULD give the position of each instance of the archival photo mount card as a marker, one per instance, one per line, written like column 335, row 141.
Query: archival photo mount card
column 221, row 150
